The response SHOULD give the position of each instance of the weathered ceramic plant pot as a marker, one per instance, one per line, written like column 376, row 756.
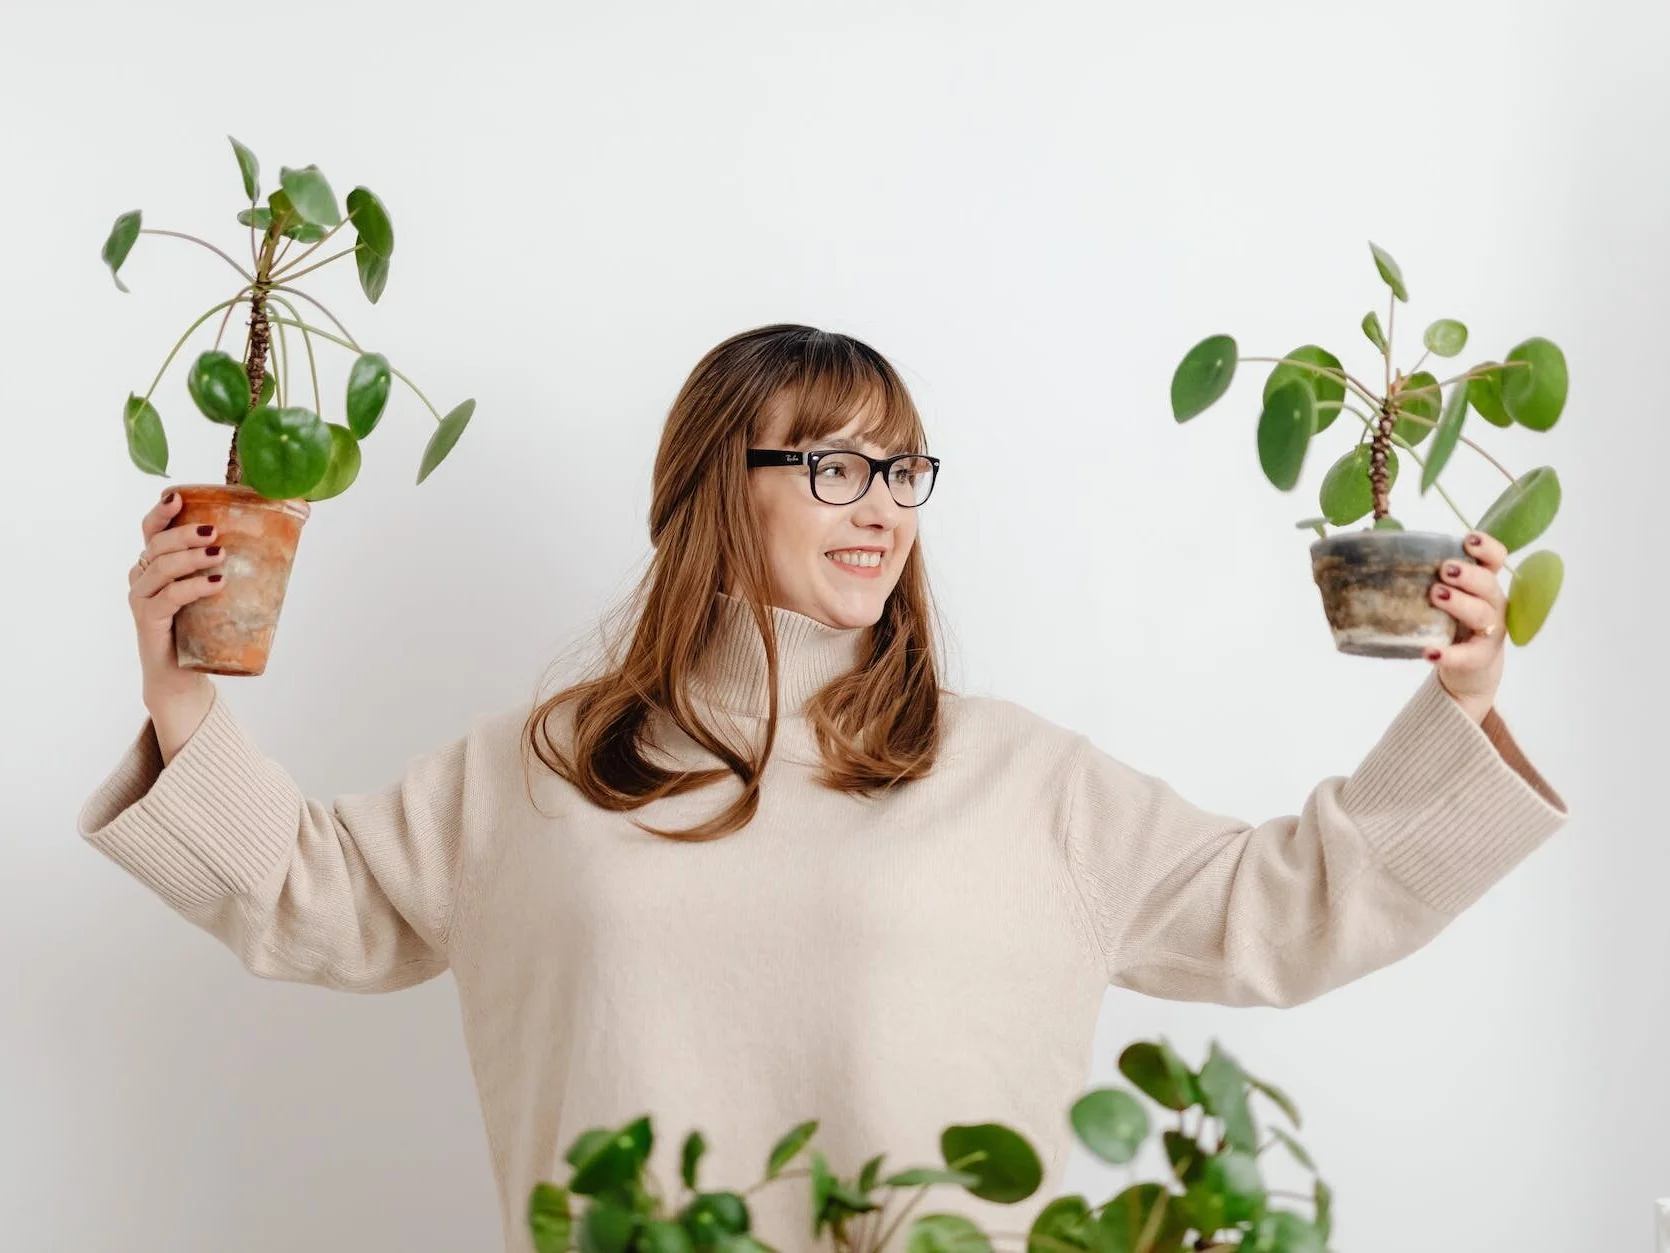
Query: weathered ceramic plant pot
column 231, row 631
column 1377, row 588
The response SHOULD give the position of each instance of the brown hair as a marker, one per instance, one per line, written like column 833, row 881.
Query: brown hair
column 876, row 726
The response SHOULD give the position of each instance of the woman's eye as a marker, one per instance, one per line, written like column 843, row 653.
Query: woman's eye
column 835, row 471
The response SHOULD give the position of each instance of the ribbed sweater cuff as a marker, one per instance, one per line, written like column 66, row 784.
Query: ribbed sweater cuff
column 1449, row 805
column 207, row 825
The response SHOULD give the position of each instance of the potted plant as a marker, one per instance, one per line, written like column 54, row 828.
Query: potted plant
column 1375, row 581
column 283, row 454
column 1214, row 1197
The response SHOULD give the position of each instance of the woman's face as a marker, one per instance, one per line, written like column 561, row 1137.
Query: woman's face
column 821, row 555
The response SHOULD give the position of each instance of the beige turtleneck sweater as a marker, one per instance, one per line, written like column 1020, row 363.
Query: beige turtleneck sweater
column 889, row 966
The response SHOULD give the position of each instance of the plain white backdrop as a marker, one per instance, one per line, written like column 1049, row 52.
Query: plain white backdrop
column 1033, row 210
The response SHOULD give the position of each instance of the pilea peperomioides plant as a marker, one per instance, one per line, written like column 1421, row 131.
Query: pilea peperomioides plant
column 1374, row 583
column 283, row 454
column 1215, row 1197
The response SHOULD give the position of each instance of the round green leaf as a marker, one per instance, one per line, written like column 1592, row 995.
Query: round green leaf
column 1127, row 1217
column 614, row 1161
column 1284, row 431
column 1444, row 439
column 1536, row 586
column 1203, row 375
column 1484, row 393
column 1414, row 399
column 663, row 1237
column 1319, row 525
column 1524, row 510
column 260, row 218
column 445, row 436
column 1223, row 1087
column 1233, row 1177
column 1534, row 392
column 371, row 220
column 1065, row 1220
column 607, row 1229
column 1185, row 1155
column 945, row 1233
column 587, row 1143
column 373, row 271
column 788, row 1148
column 549, row 1220
column 714, row 1214
column 344, row 465
column 694, row 1147
column 119, row 243
column 310, row 194
column 1347, row 491
column 219, row 387
column 295, row 227
column 1110, row 1123
column 1445, row 337
column 147, row 445
column 1375, row 332
column 1282, row 1232
column 1328, row 389
column 250, row 168
column 1389, row 271
column 268, row 385
column 284, row 452
column 1159, row 1074
column 368, row 391
column 1007, row 1166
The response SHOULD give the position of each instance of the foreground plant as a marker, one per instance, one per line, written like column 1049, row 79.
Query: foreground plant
column 1215, row 1198
column 1309, row 388
column 280, row 449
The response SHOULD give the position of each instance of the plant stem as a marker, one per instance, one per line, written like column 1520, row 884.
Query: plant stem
column 247, row 276
column 327, row 335
column 1340, row 375
column 1474, row 373
column 1391, row 313
column 236, row 301
column 787, row 1174
column 291, row 276
column 1430, row 422
column 314, row 246
column 1421, row 362
column 914, row 1201
column 281, row 384
column 293, row 291
column 181, row 342
column 307, row 343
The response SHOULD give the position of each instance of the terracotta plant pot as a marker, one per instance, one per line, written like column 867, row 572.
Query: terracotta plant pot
column 1376, row 590
column 231, row 631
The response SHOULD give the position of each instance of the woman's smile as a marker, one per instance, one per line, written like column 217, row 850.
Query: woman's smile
column 865, row 563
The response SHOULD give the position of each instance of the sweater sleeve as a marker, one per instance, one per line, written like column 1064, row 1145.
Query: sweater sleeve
column 355, row 892
column 1192, row 905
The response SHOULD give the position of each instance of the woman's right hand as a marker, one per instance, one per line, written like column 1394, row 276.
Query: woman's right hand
column 182, row 566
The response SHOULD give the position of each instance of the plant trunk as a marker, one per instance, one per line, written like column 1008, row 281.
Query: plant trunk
column 1378, row 477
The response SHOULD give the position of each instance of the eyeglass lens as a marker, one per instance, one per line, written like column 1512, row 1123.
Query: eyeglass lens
column 842, row 477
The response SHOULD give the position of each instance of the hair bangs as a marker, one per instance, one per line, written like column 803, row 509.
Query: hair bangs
column 839, row 382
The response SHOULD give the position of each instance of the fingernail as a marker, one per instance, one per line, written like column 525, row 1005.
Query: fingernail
column 168, row 499
column 205, row 530
column 1432, row 654
column 1443, row 592
column 1475, row 540
column 214, row 578
column 213, row 550
column 1452, row 570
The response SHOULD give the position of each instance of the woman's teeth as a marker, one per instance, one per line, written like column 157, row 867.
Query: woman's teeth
column 855, row 558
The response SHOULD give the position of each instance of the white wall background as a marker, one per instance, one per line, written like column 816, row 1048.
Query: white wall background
column 1033, row 210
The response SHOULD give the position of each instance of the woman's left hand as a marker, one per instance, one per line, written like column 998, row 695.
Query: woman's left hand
column 1471, row 670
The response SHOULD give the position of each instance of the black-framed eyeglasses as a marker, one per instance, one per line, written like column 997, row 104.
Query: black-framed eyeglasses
column 840, row 476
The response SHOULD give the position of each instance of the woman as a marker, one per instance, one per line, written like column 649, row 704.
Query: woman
column 762, row 868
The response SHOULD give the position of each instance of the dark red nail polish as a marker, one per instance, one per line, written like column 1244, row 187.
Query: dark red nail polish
column 1452, row 570
column 168, row 499
column 214, row 578
column 213, row 550
column 1475, row 540
column 205, row 530
column 1443, row 593
column 1432, row 654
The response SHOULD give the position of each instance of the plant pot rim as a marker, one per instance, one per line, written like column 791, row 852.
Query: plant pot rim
column 244, row 493
column 1438, row 543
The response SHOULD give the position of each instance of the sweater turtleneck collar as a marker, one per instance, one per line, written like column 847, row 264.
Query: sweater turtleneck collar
column 810, row 654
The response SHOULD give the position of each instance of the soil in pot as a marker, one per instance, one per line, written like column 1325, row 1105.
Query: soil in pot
column 231, row 631
column 1377, row 590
